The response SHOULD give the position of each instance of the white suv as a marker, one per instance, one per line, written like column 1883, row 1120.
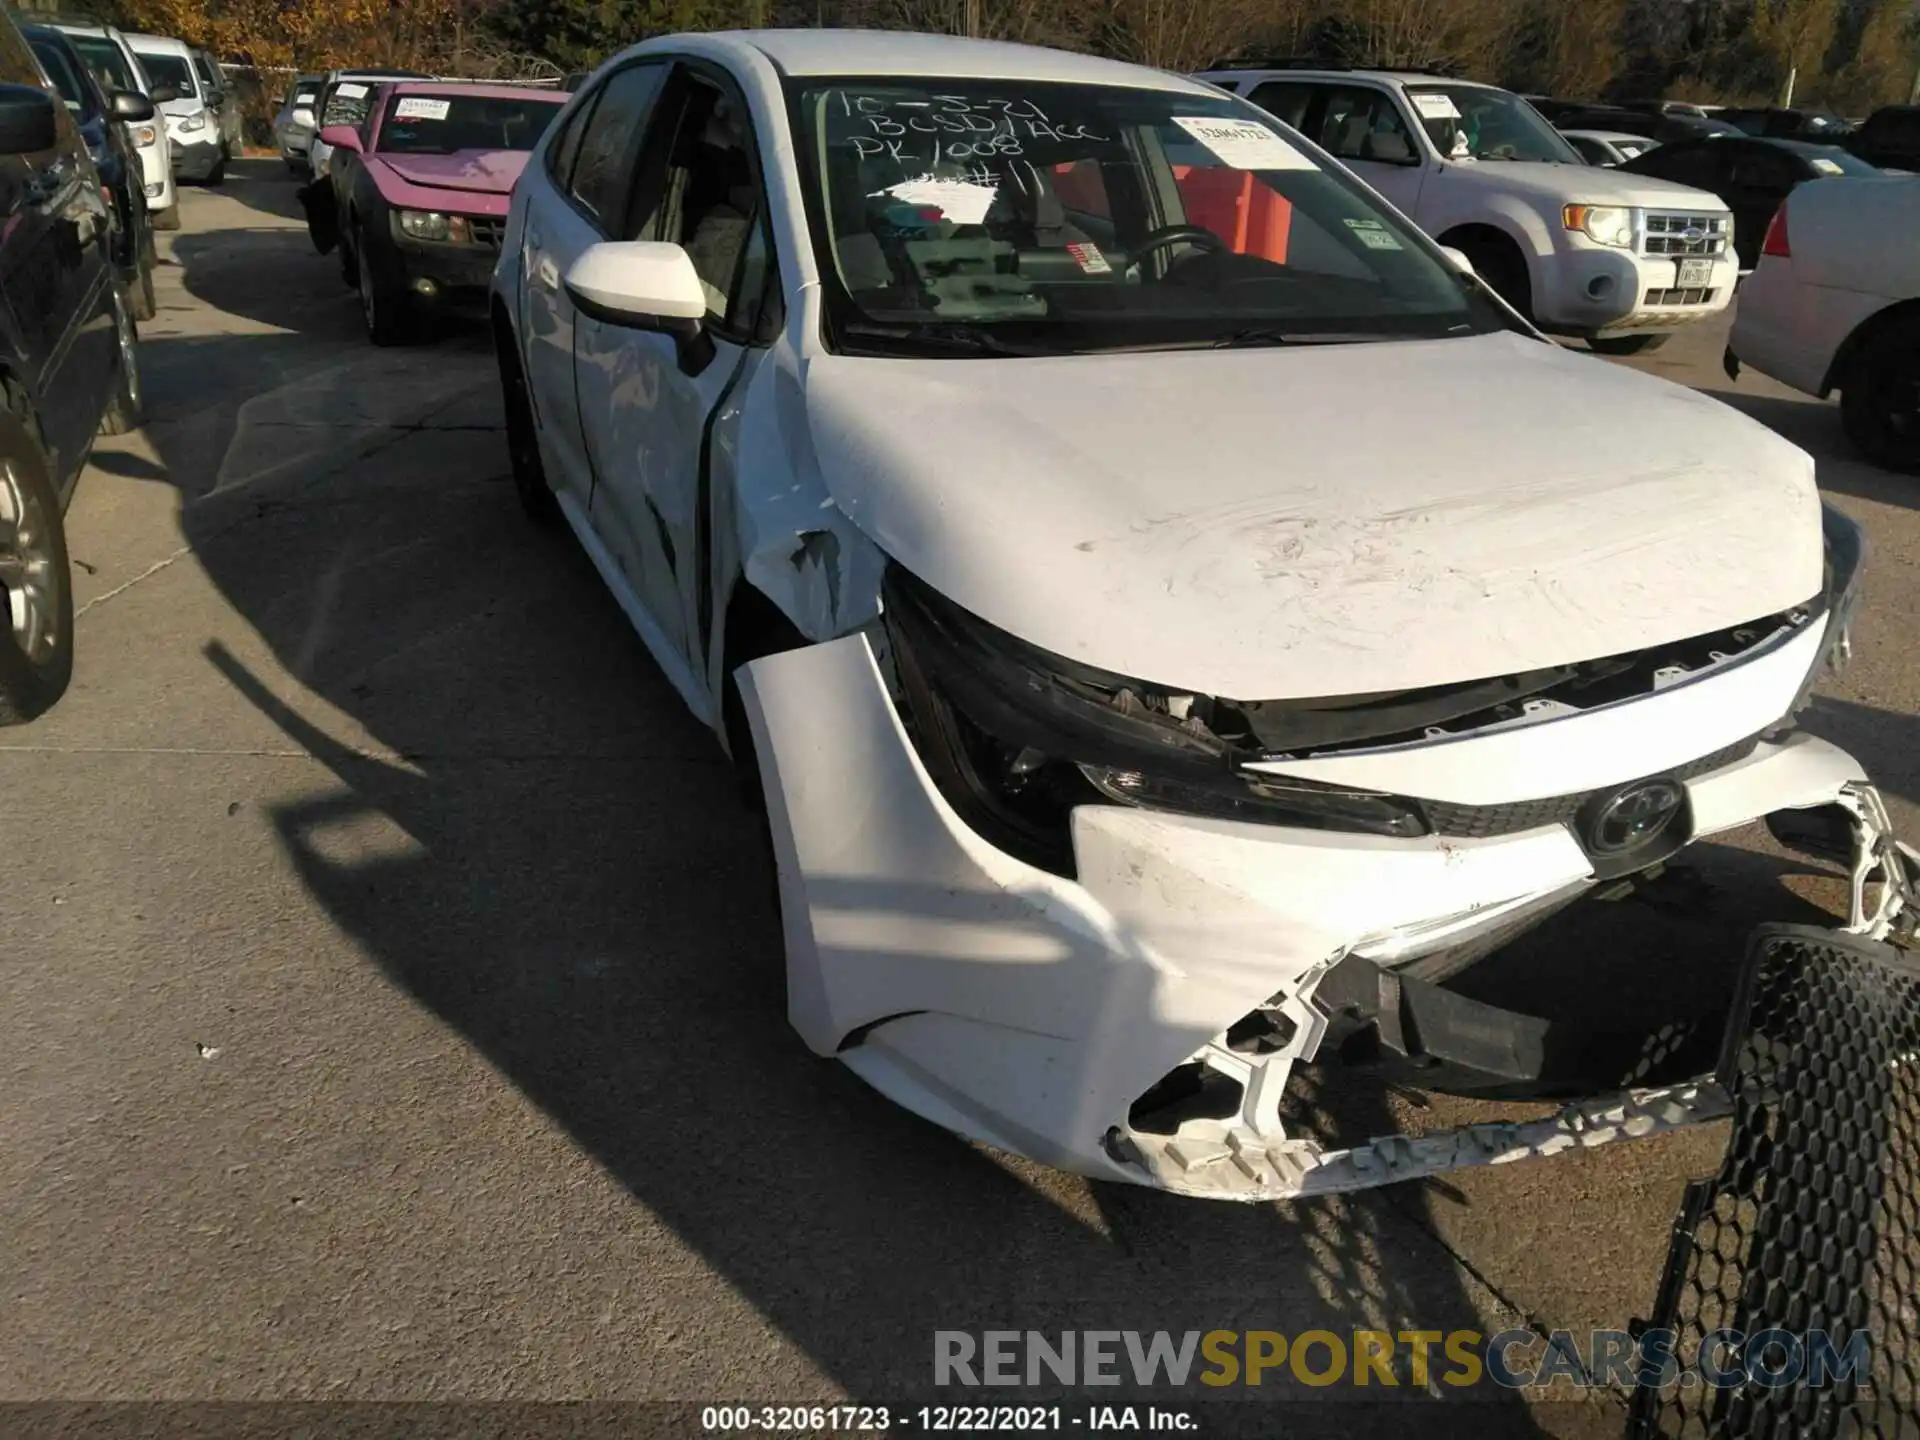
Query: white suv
column 1620, row 260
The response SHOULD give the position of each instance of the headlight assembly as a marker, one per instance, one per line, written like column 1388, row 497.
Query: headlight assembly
column 1603, row 224
column 1016, row 738
column 193, row 122
column 145, row 135
column 424, row 224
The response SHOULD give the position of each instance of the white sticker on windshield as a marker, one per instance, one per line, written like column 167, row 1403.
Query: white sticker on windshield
column 1827, row 167
column 415, row 107
column 350, row 90
column 305, row 97
column 1434, row 105
column 1373, row 235
column 964, row 202
column 1243, row 144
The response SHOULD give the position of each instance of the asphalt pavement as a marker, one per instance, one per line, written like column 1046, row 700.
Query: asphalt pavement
column 393, row 1001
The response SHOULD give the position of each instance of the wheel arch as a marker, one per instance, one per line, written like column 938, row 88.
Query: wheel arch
column 1903, row 312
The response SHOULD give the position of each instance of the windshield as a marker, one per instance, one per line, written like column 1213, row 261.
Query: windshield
column 169, row 70
column 1048, row 218
column 442, row 124
column 60, row 70
column 108, row 61
column 346, row 103
column 1476, row 122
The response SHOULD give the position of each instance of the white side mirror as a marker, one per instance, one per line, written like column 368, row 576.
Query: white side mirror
column 1459, row 259
column 645, row 284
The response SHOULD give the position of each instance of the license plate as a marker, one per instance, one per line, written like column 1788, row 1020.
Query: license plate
column 1695, row 273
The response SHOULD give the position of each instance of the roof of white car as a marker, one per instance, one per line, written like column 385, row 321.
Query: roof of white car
column 1396, row 77
column 903, row 53
column 158, row 44
column 1612, row 137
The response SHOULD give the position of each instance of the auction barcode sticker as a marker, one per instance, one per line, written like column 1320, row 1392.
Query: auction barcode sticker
column 417, row 107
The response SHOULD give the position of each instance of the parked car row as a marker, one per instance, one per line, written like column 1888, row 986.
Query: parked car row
column 412, row 180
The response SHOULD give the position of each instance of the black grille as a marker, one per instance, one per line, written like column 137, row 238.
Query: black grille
column 486, row 232
column 1813, row 1221
column 1481, row 822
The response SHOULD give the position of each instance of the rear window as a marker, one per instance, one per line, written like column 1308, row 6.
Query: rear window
column 444, row 124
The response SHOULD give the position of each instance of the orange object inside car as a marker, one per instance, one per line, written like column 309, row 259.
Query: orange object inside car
column 1250, row 216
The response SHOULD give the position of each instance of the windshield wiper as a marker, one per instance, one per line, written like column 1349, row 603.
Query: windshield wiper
column 1257, row 335
column 948, row 335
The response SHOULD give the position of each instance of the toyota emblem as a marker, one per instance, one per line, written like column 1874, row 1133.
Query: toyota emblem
column 1634, row 816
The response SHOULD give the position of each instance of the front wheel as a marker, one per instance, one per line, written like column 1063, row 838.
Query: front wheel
column 1626, row 344
column 36, row 589
column 1880, row 398
column 523, row 441
column 1499, row 263
column 123, row 408
column 382, row 304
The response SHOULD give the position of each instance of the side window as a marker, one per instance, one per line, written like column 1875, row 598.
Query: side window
column 17, row 65
column 696, row 185
column 565, row 148
column 1284, row 101
column 1365, row 124
column 603, row 171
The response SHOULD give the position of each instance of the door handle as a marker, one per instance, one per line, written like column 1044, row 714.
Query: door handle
column 546, row 274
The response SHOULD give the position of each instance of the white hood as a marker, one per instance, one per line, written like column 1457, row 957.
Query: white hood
column 1578, row 185
column 1320, row 520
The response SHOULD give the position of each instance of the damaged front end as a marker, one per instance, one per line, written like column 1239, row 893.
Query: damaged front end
column 1100, row 922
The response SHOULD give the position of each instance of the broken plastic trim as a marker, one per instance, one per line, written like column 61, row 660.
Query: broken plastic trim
column 1016, row 738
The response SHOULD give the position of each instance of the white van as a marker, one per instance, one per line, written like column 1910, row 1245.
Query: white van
column 193, row 127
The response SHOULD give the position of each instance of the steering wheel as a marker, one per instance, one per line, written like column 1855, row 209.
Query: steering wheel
column 1176, row 235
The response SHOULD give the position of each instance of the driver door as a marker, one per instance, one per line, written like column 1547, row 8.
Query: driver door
column 646, row 400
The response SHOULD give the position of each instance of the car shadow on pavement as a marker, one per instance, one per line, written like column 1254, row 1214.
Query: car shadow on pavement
column 265, row 185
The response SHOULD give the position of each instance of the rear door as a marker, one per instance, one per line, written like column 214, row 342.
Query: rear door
column 1364, row 126
column 646, row 399
column 579, row 199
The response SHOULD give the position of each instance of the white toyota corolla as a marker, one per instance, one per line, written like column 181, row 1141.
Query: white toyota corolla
column 1176, row 614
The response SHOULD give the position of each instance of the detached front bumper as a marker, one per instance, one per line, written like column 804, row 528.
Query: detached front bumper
column 1036, row 1013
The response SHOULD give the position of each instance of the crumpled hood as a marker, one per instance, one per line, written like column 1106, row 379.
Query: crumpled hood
column 1320, row 520
column 1578, row 184
column 485, row 172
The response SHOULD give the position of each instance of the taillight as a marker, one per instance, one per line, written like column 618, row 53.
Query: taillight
column 1776, row 241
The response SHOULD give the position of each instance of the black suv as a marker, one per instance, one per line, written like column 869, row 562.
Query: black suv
column 103, row 119
column 1890, row 138
column 67, row 368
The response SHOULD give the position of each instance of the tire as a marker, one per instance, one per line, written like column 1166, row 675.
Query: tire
column 1500, row 264
column 349, row 262
column 383, row 305
column 123, row 408
column 217, row 176
column 523, row 442
column 140, row 301
column 1880, row 398
column 36, row 612
column 167, row 219
column 1627, row 344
